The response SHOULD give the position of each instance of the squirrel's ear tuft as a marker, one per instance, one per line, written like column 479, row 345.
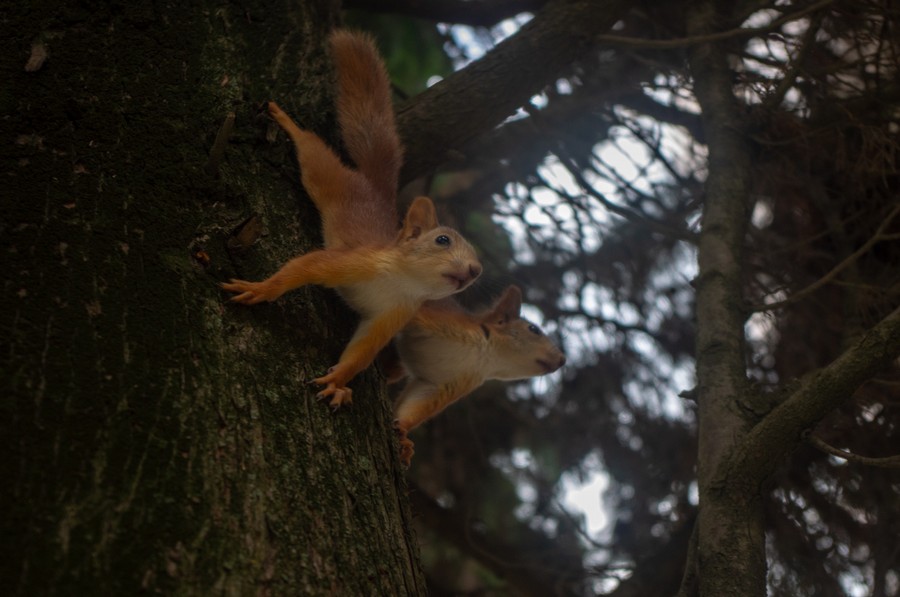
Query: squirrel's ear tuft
column 508, row 307
column 420, row 218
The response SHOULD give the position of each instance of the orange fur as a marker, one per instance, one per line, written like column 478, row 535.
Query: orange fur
column 366, row 118
column 383, row 272
column 448, row 352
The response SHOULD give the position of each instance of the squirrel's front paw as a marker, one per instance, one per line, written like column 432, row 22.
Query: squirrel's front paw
column 250, row 293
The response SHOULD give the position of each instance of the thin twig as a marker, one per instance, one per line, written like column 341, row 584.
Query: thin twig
column 884, row 462
column 664, row 44
column 790, row 77
column 624, row 212
column 800, row 294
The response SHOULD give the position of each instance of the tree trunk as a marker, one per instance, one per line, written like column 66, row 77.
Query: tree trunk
column 155, row 437
column 731, row 538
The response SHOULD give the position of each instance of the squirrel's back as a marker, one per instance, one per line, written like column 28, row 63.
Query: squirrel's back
column 365, row 111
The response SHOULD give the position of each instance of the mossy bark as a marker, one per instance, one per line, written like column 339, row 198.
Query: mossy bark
column 155, row 437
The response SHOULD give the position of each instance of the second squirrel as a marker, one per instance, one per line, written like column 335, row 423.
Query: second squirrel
column 447, row 352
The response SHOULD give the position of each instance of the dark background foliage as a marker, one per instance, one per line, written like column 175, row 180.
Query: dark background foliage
column 601, row 240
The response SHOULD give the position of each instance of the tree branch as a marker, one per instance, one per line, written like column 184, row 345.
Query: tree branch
column 624, row 212
column 477, row 13
column 773, row 438
column 879, row 236
column 480, row 96
column 884, row 462
column 739, row 32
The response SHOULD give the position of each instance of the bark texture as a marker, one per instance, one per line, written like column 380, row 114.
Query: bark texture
column 156, row 438
column 731, row 537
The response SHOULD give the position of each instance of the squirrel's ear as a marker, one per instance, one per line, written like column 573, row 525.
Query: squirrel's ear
column 508, row 307
column 420, row 218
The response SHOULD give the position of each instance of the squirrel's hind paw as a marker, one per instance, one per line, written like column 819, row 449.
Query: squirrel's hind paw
column 406, row 445
column 339, row 396
column 406, row 451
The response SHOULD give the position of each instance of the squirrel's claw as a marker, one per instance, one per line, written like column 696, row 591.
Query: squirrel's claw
column 339, row 396
column 335, row 387
column 250, row 293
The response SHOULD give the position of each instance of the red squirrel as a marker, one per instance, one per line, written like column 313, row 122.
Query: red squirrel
column 383, row 273
column 447, row 352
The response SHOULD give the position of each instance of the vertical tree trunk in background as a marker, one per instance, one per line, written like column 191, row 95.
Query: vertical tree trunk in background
column 731, row 536
column 156, row 438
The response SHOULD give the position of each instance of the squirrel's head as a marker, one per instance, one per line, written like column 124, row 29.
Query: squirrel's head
column 439, row 255
column 520, row 348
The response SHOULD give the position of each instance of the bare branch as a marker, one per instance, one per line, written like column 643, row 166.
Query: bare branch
column 793, row 69
column 879, row 236
column 478, row 13
column 624, row 212
column 884, row 462
column 740, row 32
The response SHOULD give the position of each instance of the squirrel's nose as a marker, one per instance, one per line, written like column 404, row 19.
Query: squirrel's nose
column 475, row 270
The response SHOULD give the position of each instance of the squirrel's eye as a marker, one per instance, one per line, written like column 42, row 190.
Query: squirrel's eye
column 443, row 240
column 534, row 329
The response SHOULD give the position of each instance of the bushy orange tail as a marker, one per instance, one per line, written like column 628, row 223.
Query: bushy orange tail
column 365, row 111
